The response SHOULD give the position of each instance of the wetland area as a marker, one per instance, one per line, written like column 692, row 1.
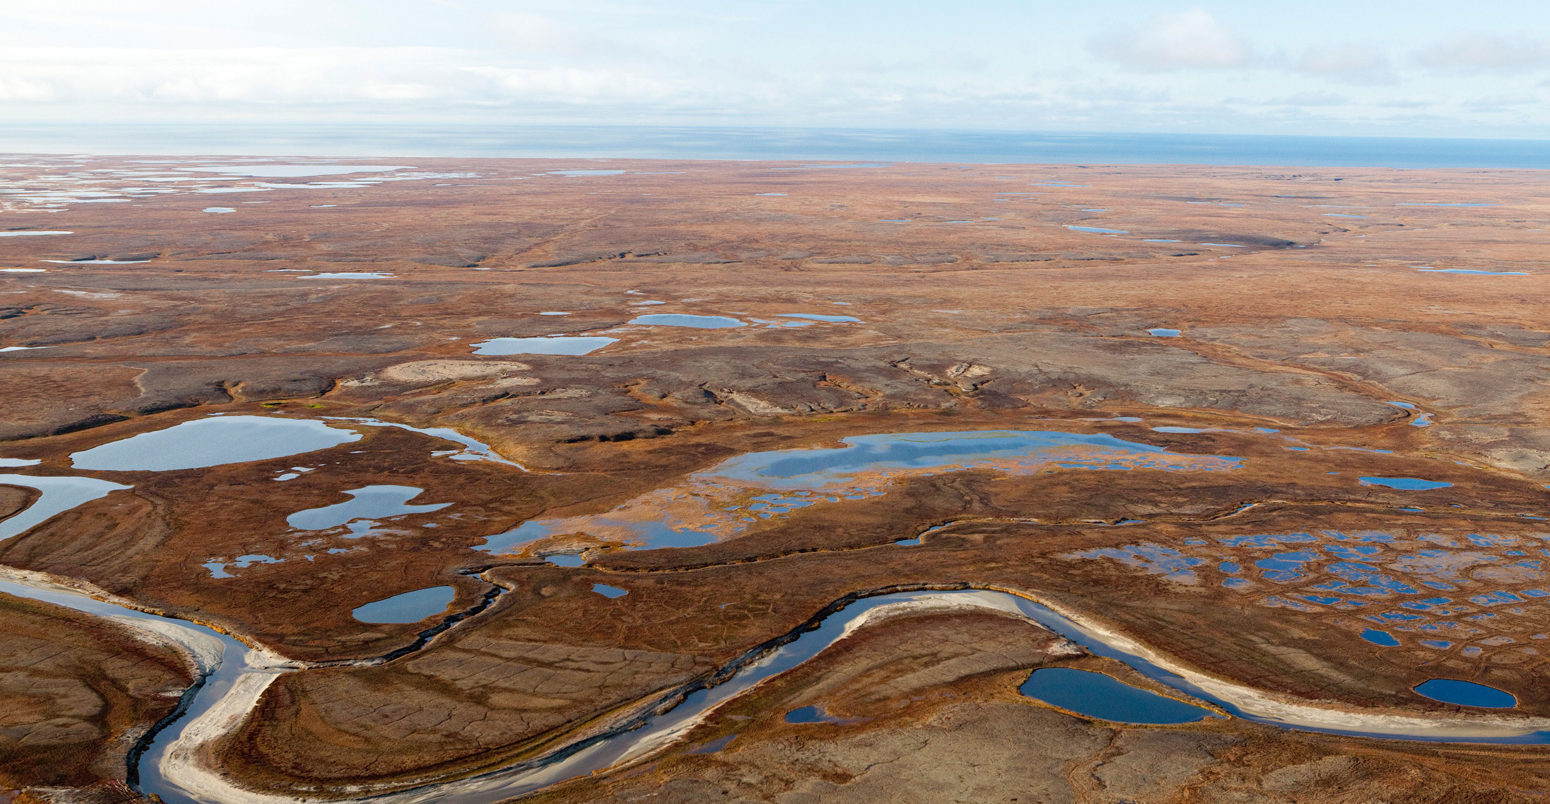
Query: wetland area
column 1160, row 483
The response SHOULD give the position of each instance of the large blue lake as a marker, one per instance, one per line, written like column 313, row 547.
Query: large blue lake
column 877, row 145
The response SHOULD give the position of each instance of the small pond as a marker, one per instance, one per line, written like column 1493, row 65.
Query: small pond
column 1466, row 693
column 409, row 607
column 361, row 512
column 1106, row 698
column 1405, row 483
column 684, row 320
column 552, row 345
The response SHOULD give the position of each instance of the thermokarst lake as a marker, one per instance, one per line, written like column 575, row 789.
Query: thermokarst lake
column 863, row 478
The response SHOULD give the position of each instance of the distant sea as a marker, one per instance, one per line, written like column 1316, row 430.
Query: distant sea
column 602, row 142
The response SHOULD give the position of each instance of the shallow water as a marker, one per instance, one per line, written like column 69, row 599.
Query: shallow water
column 552, row 345
column 740, row 493
column 833, row 319
column 362, row 511
column 1107, row 698
column 1163, row 332
column 213, row 441
column 56, row 496
column 1470, row 272
column 409, row 607
column 218, row 568
column 1466, row 693
column 295, row 171
column 574, row 173
column 811, row 468
column 1097, row 230
column 473, row 449
column 811, row 714
column 683, row 320
column 609, row 591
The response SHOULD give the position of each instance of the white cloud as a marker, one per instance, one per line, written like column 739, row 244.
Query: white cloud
column 303, row 76
column 1503, row 102
column 1306, row 99
column 1353, row 62
column 1486, row 51
column 1190, row 39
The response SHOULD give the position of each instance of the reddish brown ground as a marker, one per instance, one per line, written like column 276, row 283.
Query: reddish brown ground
column 1008, row 320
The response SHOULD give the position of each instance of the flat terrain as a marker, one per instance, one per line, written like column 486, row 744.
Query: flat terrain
column 1268, row 347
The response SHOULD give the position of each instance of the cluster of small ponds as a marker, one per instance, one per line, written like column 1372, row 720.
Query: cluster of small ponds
column 1474, row 593
column 219, row 440
column 1389, row 582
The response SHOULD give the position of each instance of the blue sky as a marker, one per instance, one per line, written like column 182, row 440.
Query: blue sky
column 1315, row 67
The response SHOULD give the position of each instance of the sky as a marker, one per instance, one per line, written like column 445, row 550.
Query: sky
column 1321, row 67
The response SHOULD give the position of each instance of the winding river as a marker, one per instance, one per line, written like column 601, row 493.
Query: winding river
column 171, row 759
column 236, row 675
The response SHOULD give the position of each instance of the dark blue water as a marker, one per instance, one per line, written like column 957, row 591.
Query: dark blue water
column 1406, row 483
column 1466, row 693
column 1383, row 638
column 771, row 143
column 1100, row 696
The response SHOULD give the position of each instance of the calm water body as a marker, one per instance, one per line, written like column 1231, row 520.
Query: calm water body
column 685, row 320
column 365, row 506
column 684, row 142
column 1406, row 483
column 1378, row 637
column 1106, row 698
column 1466, row 693
column 56, row 496
column 409, row 607
column 553, row 345
column 212, row 441
column 799, row 468
column 1471, row 272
